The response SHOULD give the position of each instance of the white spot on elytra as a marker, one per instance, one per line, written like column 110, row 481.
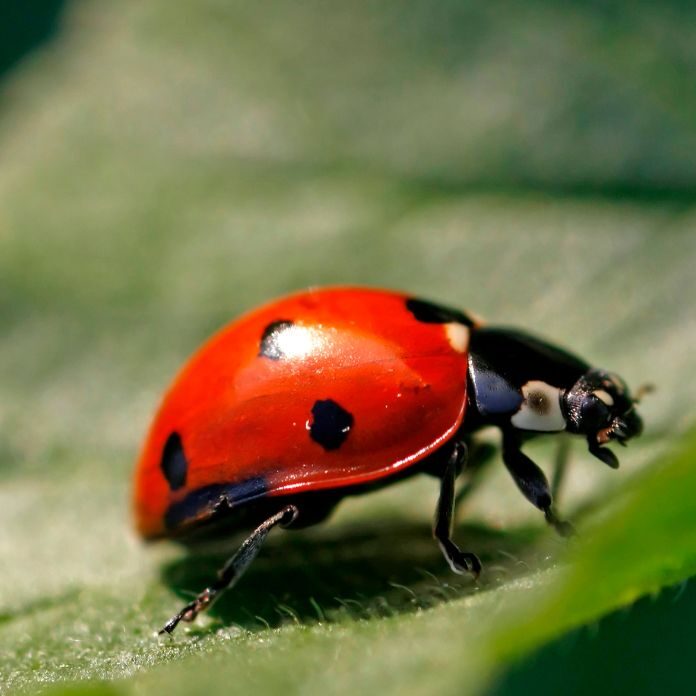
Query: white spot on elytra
column 541, row 409
column 458, row 336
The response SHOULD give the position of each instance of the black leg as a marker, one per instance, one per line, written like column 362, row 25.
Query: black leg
column 531, row 481
column 560, row 466
column 604, row 454
column 460, row 561
column 481, row 454
column 233, row 569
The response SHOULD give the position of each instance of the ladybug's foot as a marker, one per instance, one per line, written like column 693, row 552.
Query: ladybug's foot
column 233, row 569
column 473, row 564
column 190, row 611
column 461, row 561
column 563, row 527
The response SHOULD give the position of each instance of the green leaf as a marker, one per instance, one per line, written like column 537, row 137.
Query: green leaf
column 646, row 542
column 166, row 166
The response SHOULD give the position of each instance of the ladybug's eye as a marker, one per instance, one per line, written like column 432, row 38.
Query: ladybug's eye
column 595, row 412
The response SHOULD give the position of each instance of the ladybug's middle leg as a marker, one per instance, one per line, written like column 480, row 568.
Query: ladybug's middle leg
column 233, row 569
column 480, row 455
column 560, row 466
column 460, row 561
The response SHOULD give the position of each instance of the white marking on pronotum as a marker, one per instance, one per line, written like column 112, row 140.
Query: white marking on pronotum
column 604, row 396
column 458, row 336
column 541, row 408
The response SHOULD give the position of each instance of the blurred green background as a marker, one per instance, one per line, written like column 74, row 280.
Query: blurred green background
column 165, row 166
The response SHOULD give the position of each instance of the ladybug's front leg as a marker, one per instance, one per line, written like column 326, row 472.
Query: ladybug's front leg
column 233, row 569
column 530, row 479
column 460, row 561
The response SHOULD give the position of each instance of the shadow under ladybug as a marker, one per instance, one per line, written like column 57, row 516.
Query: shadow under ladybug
column 373, row 569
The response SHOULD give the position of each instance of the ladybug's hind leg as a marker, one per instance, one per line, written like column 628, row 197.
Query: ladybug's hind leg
column 460, row 561
column 233, row 569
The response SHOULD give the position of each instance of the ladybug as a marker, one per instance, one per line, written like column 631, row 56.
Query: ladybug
column 339, row 391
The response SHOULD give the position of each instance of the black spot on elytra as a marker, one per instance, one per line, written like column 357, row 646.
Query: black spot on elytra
column 270, row 346
column 174, row 465
column 330, row 424
column 431, row 313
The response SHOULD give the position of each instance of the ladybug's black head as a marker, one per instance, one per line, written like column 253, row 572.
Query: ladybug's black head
column 600, row 407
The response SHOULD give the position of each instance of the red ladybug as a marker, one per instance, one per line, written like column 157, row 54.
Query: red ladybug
column 333, row 392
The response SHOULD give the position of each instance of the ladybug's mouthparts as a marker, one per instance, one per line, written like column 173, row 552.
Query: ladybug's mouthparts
column 629, row 425
column 622, row 428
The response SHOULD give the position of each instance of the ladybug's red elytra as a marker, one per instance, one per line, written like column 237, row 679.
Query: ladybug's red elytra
column 333, row 392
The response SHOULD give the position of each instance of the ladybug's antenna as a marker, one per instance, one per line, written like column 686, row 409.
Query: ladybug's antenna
column 642, row 390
